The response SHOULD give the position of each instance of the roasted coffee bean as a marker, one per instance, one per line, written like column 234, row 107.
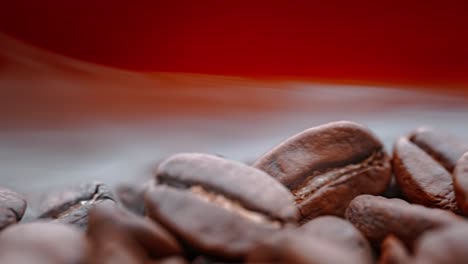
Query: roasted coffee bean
column 12, row 207
column 446, row 245
column 169, row 260
column 293, row 246
column 42, row 243
column 340, row 232
column 115, row 232
column 446, row 149
column 325, row 167
column 216, row 206
column 393, row 251
column 423, row 163
column 377, row 217
column 131, row 195
column 71, row 206
column 460, row 183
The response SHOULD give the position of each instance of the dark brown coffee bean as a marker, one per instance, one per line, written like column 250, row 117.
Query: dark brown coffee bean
column 169, row 260
column 293, row 246
column 216, row 206
column 460, row 182
column 339, row 232
column 377, row 217
column 71, row 206
column 445, row 245
column 110, row 227
column 325, row 167
column 42, row 243
column 393, row 251
column 441, row 146
column 12, row 207
column 423, row 163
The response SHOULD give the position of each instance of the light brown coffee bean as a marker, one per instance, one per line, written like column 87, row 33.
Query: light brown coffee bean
column 325, row 167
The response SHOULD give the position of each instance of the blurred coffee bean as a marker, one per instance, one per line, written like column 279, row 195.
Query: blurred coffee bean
column 445, row 245
column 169, row 260
column 114, row 232
column 42, row 243
column 216, row 206
column 393, row 251
column 12, row 207
column 377, row 217
column 131, row 195
column 325, row 167
column 423, row 163
column 293, row 246
column 339, row 232
column 460, row 182
column 71, row 205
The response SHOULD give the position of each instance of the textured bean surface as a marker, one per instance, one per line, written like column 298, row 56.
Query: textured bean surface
column 71, row 206
column 217, row 206
column 423, row 163
column 325, row 167
column 377, row 217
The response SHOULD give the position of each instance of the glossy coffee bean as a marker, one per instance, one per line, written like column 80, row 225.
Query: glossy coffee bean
column 423, row 164
column 377, row 217
column 12, row 207
column 116, row 233
column 42, row 243
column 460, row 183
column 216, row 206
column 340, row 232
column 393, row 251
column 325, row 167
column 293, row 246
column 446, row 245
column 71, row 205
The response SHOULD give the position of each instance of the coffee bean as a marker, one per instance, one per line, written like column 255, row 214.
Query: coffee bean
column 393, row 251
column 445, row 148
column 293, row 246
column 377, row 217
column 341, row 233
column 115, row 232
column 423, row 163
column 445, row 245
column 71, row 205
column 325, row 167
column 12, row 207
column 460, row 182
column 131, row 195
column 42, row 243
column 216, row 206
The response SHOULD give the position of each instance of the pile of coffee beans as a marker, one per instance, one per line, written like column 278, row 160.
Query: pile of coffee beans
column 330, row 194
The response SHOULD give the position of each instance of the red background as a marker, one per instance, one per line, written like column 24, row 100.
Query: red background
column 398, row 41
